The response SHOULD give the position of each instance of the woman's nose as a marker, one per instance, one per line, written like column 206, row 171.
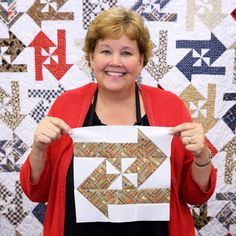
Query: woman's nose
column 115, row 60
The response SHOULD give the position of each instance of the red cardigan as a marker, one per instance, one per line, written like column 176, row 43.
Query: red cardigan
column 163, row 109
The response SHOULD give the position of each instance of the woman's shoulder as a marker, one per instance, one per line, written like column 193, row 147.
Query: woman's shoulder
column 84, row 90
column 171, row 109
column 73, row 101
column 158, row 93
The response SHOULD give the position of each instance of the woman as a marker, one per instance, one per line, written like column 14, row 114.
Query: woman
column 117, row 47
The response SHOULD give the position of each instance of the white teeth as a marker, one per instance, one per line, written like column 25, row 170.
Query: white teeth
column 114, row 73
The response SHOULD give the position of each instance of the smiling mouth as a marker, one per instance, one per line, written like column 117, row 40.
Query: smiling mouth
column 115, row 74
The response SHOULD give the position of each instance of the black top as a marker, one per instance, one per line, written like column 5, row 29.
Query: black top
column 149, row 228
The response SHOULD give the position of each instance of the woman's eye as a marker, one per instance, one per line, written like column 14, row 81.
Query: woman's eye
column 126, row 53
column 106, row 52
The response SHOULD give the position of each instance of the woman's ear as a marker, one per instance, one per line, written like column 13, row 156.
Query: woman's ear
column 142, row 60
column 91, row 59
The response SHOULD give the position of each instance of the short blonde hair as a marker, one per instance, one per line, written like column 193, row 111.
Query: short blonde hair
column 115, row 22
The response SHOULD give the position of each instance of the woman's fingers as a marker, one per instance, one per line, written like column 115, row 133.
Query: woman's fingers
column 49, row 130
column 177, row 130
column 192, row 136
column 59, row 123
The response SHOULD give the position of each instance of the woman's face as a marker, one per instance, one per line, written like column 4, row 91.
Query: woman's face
column 116, row 63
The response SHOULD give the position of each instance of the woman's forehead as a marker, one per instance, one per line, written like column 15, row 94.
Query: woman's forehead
column 123, row 39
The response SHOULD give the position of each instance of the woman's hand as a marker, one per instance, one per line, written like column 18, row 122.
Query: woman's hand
column 193, row 138
column 49, row 129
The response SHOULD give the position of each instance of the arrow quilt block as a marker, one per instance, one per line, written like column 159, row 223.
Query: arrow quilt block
column 119, row 178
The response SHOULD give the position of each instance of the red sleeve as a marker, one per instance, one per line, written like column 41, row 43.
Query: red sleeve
column 37, row 192
column 192, row 193
column 190, row 190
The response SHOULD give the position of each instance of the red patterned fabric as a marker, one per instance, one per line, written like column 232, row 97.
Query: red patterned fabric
column 233, row 13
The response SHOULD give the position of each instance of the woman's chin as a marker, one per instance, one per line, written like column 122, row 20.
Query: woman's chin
column 114, row 87
column 115, row 83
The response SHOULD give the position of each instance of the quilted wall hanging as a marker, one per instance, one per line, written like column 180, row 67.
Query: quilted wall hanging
column 120, row 177
column 41, row 57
